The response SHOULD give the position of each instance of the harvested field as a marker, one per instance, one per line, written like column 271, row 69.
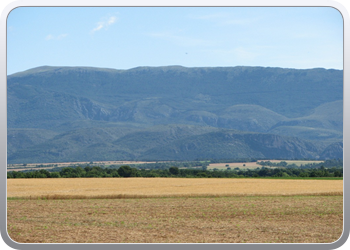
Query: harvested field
column 38, row 166
column 254, row 165
column 299, row 162
column 166, row 187
column 292, row 219
column 65, row 164
column 241, row 165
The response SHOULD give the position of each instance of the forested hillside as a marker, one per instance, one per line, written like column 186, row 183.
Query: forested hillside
column 173, row 113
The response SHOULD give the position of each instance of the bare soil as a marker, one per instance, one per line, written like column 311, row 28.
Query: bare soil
column 293, row 219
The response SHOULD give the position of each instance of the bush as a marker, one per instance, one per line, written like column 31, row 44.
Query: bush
column 126, row 171
column 174, row 170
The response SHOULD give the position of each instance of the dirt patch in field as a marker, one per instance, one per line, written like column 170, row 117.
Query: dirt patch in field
column 297, row 219
column 241, row 165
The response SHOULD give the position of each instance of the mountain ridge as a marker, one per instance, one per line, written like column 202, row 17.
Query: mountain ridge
column 306, row 103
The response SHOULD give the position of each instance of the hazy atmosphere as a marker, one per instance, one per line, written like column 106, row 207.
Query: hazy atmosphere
column 124, row 37
column 228, row 120
column 175, row 83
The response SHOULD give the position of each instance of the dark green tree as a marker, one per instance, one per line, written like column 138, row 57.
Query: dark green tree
column 125, row 171
column 55, row 175
column 174, row 170
column 202, row 175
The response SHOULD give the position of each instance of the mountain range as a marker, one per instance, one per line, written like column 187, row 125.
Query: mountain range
column 57, row 114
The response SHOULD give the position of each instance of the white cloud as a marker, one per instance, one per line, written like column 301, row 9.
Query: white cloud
column 61, row 36
column 49, row 37
column 100, row 26
column 104, row 24
column 52, row 37
column 111, row 20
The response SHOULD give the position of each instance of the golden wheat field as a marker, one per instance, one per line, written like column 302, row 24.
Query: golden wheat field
column 177, row 210
column 166, row 187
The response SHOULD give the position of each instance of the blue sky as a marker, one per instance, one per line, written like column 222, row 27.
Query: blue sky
column 127, row 37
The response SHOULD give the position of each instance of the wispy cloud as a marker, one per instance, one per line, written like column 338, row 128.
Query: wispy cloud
column 223, row 18
column 104, row 24
column 238, row 54
column 239, row 21
column 181, row 39
column 52, row 37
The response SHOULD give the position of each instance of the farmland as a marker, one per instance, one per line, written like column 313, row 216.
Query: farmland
column 242, row 165
column 166, row 187
column 257, row 219
column 254, row 165
column 35, row 166
column 174, row 210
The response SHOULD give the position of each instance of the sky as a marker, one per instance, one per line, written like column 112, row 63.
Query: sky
column 128, row 37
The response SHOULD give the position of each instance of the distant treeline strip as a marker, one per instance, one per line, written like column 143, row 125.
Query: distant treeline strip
column 326, row 163
column 127, row 171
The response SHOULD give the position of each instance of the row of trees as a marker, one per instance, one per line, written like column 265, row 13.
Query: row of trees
column 127, row 171
column 326, row 163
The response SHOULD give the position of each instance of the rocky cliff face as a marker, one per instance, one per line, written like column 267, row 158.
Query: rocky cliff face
column 333, row 151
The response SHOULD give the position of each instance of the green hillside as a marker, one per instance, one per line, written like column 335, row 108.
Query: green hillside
column 82, row 113
column 165, row 142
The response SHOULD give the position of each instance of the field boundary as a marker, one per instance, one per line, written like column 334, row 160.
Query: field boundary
column 133, row 196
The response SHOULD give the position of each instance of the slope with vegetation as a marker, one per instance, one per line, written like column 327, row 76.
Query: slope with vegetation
column 60, row 114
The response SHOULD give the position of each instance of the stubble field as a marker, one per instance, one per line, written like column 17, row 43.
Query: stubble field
column 166, row 187
column 183, row 210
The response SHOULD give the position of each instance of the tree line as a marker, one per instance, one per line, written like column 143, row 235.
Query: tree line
column 127, row 171
column 326, row 163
